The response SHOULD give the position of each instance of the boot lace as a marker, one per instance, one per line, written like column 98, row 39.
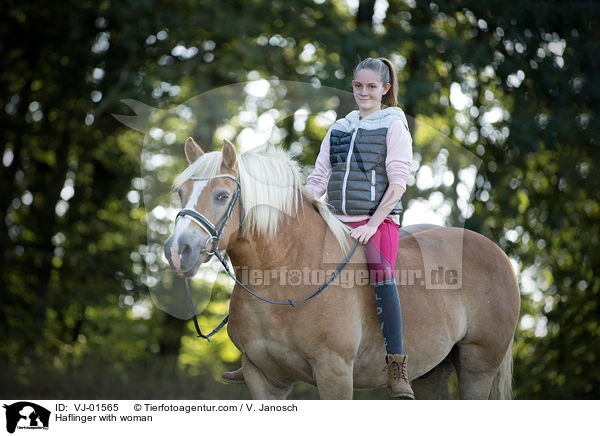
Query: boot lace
column 398, row 370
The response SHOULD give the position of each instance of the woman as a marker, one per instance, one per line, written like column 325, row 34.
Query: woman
column 363, row 165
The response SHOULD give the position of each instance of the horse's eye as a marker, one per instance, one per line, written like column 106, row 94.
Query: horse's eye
column 222, row 197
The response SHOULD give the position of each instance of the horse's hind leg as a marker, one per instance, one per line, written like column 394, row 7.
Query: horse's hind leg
column 260, row 387
column 475, row 370
column 434, row 386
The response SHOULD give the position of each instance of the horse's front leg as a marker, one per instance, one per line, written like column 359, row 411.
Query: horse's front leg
column 260, row 387
column 334, row 378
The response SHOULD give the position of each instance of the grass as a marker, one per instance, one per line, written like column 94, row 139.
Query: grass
column 156, row 379
column 97, row 381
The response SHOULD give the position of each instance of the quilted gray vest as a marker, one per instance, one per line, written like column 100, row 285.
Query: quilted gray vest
column 357, row 154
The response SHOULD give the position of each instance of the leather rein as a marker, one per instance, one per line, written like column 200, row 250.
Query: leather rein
column 216, row 232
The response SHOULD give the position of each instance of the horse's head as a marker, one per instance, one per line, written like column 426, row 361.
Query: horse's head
column 210, row 214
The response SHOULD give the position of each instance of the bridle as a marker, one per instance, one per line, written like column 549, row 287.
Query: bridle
column 216, row 232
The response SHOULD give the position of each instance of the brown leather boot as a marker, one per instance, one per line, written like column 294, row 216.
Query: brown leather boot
column 398, row 384
column 233, row 377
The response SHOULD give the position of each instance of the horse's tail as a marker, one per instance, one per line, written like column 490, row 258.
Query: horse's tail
column 502, row 384
column 338, row 228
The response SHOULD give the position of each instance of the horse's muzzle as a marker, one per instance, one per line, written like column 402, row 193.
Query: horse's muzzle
column 185, row 254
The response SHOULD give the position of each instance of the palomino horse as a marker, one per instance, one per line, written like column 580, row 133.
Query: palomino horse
column 334, row 340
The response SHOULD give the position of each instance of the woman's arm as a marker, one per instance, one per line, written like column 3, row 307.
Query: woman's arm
column 316, row 182
column 398, row 162
column 389, row 200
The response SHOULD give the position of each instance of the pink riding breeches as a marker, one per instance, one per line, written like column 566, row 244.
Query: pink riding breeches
column 381, row 250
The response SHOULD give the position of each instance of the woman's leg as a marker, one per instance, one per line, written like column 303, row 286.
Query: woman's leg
column 382, row 251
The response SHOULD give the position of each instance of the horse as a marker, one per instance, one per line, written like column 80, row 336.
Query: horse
column 285, row 243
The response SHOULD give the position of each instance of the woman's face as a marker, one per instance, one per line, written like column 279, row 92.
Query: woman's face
column 368, row 91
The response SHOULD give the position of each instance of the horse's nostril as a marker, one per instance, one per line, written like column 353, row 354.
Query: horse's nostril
column 185, row 250
column 188, row 249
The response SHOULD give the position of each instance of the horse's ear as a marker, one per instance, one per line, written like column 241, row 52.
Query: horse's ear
column 192, row 150
column 229, row 156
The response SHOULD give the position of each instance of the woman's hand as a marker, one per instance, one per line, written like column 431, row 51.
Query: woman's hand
column 363, row 233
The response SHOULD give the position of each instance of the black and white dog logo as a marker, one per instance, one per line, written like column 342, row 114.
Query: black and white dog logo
column 26, row 415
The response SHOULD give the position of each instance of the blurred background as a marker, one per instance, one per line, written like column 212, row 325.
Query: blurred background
column 503, row 105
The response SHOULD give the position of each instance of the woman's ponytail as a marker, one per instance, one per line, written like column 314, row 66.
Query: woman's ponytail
column 391, row 97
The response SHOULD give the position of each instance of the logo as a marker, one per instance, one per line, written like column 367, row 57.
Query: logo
column 26, row 415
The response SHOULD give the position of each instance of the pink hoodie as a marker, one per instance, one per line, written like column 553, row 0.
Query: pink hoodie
column 398, row 164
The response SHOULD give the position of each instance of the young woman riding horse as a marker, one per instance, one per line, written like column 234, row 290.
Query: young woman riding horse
column 363, row 164
column 253, row 206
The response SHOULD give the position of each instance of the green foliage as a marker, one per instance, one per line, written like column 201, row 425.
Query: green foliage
column 74, row 246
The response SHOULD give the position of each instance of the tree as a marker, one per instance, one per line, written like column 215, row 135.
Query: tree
column 508, row 90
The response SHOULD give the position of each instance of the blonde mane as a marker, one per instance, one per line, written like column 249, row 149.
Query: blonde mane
column 271, row 190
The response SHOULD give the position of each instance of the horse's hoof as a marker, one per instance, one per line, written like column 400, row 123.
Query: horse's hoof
column 233, row 377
